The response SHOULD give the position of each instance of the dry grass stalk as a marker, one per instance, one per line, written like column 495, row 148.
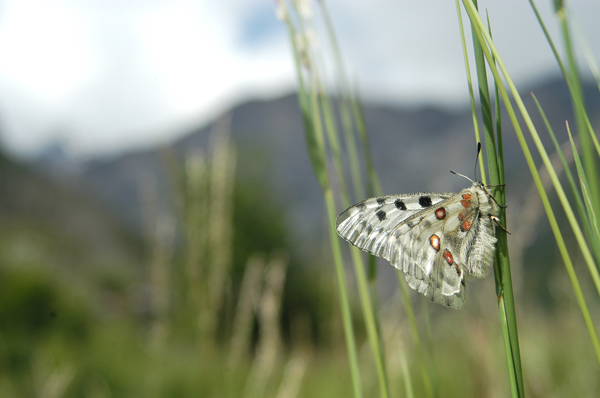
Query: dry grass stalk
column 269, row 345
column 159, row 232
column 246, row 308
column 220, row 215
column 293, row 374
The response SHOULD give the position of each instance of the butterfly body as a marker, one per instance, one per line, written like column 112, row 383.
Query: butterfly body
column 436, row 239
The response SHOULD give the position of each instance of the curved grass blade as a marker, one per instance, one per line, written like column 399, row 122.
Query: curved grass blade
column 483, row 37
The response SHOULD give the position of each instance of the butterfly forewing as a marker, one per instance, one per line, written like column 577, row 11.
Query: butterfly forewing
column 434, row 238
column 369, row 224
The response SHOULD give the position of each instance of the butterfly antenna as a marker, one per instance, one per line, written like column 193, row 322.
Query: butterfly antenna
column 461, row 175
column 475, row 170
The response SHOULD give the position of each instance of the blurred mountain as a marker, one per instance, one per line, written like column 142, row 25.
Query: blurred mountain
column 82, row 223
column 58, row 226
column 413, row 150
column 78, row 285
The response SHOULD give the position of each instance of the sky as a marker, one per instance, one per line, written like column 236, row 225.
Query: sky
column 107, row 76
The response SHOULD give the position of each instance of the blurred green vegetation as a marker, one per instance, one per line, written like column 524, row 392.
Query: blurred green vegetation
column 88, row 309
column 84, row 311
column 213, row 300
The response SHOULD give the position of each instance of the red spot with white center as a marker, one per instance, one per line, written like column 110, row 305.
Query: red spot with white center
column 440, row 213
column 448, row 256
column 435, row 242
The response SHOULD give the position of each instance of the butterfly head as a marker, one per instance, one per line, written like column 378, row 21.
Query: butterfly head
column 483, row 193
column 486, row 195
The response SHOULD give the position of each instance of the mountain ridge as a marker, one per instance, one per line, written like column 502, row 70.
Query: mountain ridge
column 413, row 150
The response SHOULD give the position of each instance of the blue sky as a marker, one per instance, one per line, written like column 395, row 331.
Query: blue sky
column 106, row 76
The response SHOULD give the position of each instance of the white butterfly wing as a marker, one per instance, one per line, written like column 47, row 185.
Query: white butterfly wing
column 406, row 230
column 434, row 238
column 369, row 224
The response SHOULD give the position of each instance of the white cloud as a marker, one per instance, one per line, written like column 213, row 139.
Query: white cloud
column 107, row 76
column 44, row 49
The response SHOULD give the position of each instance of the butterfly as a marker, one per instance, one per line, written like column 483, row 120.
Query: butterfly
column 437, row 239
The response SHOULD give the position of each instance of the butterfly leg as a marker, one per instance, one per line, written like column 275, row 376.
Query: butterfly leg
column 498, row 223
column 494, row 199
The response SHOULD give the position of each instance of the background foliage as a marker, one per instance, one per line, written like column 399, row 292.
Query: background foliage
column 217, row 297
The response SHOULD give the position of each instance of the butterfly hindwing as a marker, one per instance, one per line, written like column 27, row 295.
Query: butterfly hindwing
column 425, row 254
column 436, row 239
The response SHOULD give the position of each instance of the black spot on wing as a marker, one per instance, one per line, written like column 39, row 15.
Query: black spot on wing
column 400, row 204
column 361, row 207
column 425, row 201
column 381, row 215
column 380, row 201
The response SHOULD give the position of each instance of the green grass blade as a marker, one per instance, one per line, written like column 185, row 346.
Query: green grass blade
column 470, row 87
column 310, row 110
column 368, row 299
column 579, row 109
column 483, row 37
column 574, row 191
column 370, row 320
column 408, row 389
column 336, row 251
column 542, row 151
column 332, row 138
column 502, row 271
column 320, row 117
column 577, row 99
column 588, row 55
column 424, row 364
column 501, row 192
column 591, row 219
column 579, row 203
column 365, row 294
column 374, row 187
column 346, row 107
column 486, row 108
column 344, row 299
